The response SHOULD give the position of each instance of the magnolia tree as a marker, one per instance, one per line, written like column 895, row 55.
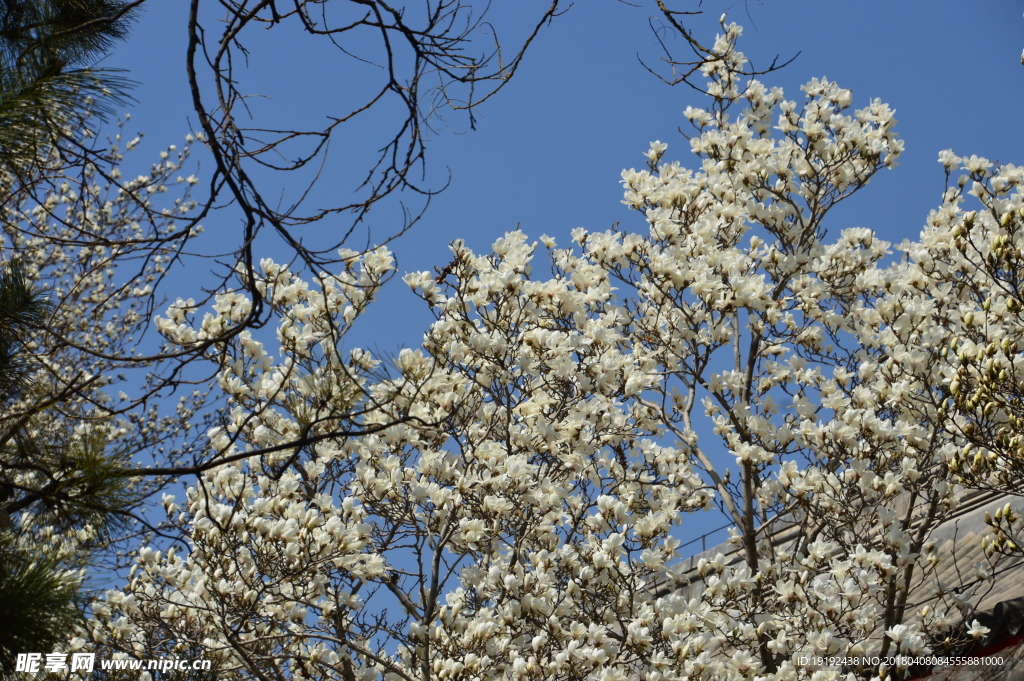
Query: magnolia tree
column 969, row 271
column 504, row 501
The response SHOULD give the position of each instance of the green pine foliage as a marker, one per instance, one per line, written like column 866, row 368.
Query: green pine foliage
column 47, row 77
column 22, row 309
column 40, row 602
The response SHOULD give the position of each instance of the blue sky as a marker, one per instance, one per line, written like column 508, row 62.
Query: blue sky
column 549, row 149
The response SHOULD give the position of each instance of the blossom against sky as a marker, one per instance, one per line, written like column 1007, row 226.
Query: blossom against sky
column 548, row 151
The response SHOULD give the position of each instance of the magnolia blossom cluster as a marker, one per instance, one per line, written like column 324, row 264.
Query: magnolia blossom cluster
column 503, row 502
